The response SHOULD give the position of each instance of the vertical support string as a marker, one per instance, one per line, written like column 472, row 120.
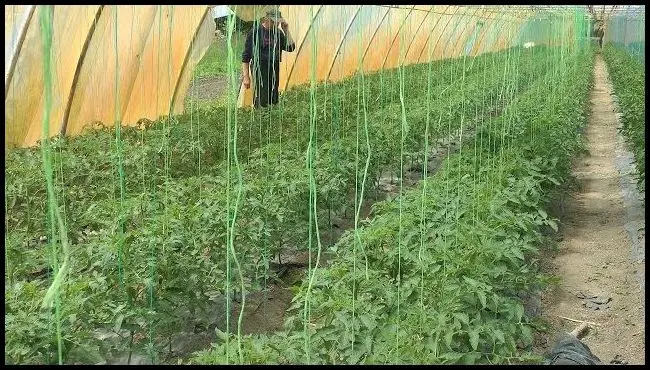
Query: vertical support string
column 52, row 296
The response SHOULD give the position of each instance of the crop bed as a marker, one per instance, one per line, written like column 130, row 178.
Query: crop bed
column 628, row 78
column 432, row 276
column 435, row 276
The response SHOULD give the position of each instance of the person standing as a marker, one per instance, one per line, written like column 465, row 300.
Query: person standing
column 600, row 33
column 262, row 56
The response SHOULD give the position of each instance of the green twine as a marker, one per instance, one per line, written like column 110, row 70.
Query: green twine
column 313, row 216
column 403, row 131
column 53, row 293
column 120, row 167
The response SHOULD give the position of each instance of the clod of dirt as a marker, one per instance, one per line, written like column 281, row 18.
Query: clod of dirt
column 292, row 257
column 585, row 295
column 596, row 306
column 134, row 359
column 618, row 360
column 595, row 302
column 601, row 299
column 184, row 343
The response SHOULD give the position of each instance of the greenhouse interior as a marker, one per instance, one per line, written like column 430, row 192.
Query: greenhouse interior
column 324, row 184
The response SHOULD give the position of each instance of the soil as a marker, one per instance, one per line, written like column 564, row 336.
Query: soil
column 267, row 315
column 266, row 312
column 207, row 88
column 596, row 259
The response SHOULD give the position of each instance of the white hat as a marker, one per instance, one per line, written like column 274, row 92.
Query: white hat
column 220, row 11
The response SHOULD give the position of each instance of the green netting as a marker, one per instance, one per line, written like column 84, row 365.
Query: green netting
column 628, row 31
column 385, row 217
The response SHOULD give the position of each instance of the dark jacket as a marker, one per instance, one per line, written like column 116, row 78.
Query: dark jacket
column 268, row 43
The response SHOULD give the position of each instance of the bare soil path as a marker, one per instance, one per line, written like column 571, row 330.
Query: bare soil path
column 597, row 261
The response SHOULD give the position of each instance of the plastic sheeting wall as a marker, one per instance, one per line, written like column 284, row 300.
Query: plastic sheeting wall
column 554, row 30
column 131, row 62
column 109, row 63
column 375, row 37
column 628, row 31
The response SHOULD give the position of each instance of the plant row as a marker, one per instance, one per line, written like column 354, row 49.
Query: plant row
column 141, row 268
column 194, row 143
column 628, row 79
column 435, row 276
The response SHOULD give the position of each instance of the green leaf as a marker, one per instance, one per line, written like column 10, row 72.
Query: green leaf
column 471, row 281
column 451, row 357
column 470, row 358
column 367, row 321
column 517, row 253
column 527, row 335
column 118, row 323
column 473, row 339
column 449, row 338
column 462, row 317
column 542, row 213
column 482, row 298
column 519, row 312
column 499, row 335
column 552, row 224
column 221, row 335
column 553, row 180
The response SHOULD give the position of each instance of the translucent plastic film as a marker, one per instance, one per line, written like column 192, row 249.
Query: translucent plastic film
column 628, row 30
column 384, row 32
column 150, row 48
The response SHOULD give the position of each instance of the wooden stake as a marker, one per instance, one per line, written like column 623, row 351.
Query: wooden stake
column 579, row 321
column 580, row 331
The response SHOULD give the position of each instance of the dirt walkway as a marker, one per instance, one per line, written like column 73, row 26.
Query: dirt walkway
column 597, row 275
column 207, row 88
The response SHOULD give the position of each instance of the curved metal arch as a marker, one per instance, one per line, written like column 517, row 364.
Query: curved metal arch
column 429, row 12
column 18, row 47
column 505, row 31
column 365, row 52
column 444, row 50
column 479, row 42
column 190, row 46
column 520, row 31
column 125, row 108
column 426, row 42
column 399, row 30
column 338, row 47
column 302, row 43
column 77, row 71
column 509, row 29
column 479, row 37
column 435, row 45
